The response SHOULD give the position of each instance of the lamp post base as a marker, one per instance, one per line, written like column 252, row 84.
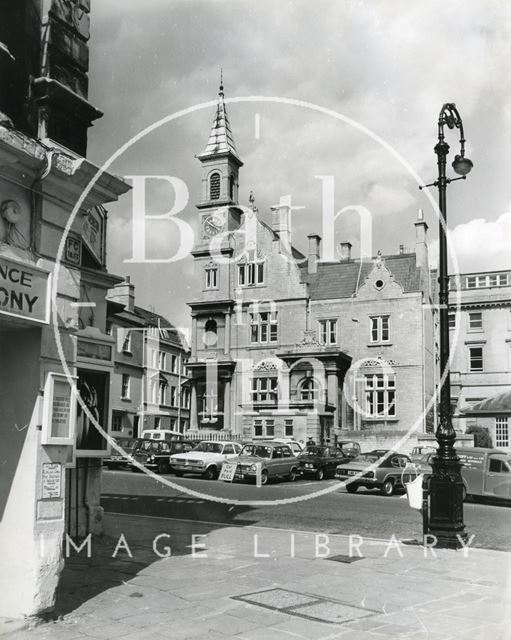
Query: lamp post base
column 446, row 504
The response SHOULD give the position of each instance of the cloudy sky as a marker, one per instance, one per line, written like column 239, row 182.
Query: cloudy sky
column 386, row 65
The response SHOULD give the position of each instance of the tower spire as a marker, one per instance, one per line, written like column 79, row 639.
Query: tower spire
column 221, row 140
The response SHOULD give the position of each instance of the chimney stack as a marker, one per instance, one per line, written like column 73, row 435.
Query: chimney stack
column 345, row 251
column 281, row 223
column 123, row 293
column 421, row 244
column 401, row 249
column 313, row 257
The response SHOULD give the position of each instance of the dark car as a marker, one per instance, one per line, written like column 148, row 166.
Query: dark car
column 155, row 454
column 379, row 469
column 348, row 449
column 117, row 460
column 319, row 462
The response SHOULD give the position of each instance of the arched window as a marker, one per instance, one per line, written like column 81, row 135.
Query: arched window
column 214, row 186
column 210, row 337
column 231, row 187
column 309, row 389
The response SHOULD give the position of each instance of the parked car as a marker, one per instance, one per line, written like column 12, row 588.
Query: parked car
column 349, row 449
column 155, row 454
column 486, row 473
column 205, row 459
column 276, row 461
column 162, row 434
column 319, row 462
column 117, row 460
column 421, row 450
column 385, row 475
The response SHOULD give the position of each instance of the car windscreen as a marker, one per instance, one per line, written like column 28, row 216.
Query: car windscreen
column 258, row 450
column 209, row 447
column 148, row 445
column 313, row 451
column 366, row 457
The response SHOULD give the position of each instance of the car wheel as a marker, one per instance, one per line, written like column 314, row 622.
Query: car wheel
column 134, row 468
column 264, row 477
column 351, row 488
column 320, row 474
column 464, row 494
column 163, row 467
column 211, row 473
column 387, row 487
column 292, row 475
column 178, row 473
column 110, row 467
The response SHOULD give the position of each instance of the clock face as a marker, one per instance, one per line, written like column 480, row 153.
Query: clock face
column 213, row 224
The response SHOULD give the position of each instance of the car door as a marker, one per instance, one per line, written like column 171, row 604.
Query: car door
column 498, row 478
column 277, row 462
column 288, row 460
column 332, row 458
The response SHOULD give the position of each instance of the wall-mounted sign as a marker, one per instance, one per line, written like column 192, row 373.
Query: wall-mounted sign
column 51, row 485
column 93, row 233
column 24, row 291
column 93, row 350
column 73, row 251
column 59, row 411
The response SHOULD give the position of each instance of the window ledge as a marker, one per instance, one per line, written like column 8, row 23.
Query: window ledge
column 380, row 419
column 379, row 344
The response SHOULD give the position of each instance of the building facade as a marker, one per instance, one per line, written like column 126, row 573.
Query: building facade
column 49, row 335
column 480, row 331
column 150, row 385
column 288, row 345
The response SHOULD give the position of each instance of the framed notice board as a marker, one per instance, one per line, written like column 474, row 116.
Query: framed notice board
column 59, row 411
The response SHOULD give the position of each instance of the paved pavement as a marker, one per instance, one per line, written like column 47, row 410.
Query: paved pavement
column 256, row 583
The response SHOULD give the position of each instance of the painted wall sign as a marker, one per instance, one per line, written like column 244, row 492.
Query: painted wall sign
column 24, row 291
column 73, row 251
column 52, row 480
column 93, row 233
column 94, row 350
column 59, row 411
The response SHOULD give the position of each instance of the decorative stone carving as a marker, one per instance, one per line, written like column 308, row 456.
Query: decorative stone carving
column 269, row 364
column 14, row 224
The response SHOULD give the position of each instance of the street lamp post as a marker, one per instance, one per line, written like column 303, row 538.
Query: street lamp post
column 446, row 485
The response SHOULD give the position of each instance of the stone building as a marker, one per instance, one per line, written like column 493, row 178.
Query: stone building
column 149, row 385
column 50, row 458
column 287, row 345
column 480, row 333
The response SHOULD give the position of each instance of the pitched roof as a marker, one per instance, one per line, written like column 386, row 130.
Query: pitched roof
column 501, row 403
column 340, row 279
column 221, row 140
column 152, row 319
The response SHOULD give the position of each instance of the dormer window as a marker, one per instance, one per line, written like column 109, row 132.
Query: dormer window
column 214, row 186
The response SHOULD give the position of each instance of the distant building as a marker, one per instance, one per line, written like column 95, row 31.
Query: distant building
column 481, row 351
column 149, row 387
column 275, row 332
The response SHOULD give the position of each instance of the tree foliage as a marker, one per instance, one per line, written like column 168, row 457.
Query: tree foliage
column 482, row 436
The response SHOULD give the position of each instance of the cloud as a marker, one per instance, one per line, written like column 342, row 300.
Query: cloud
column 479, row 245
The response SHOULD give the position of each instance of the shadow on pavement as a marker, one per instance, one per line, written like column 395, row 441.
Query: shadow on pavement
column 134, row 543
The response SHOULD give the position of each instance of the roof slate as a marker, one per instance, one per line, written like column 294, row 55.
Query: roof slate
column 339, row 279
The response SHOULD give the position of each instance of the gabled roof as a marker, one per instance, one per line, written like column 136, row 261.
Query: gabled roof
column 340, row 279
column 221, row 140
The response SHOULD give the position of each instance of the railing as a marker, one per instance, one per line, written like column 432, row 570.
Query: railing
column 212, row 435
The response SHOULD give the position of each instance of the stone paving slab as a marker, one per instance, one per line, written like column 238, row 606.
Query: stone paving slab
column 289, row 593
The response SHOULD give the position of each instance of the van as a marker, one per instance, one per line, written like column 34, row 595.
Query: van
column 486, row 473
column 161, row 434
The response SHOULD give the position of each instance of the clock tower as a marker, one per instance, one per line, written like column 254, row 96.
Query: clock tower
column 211, row 366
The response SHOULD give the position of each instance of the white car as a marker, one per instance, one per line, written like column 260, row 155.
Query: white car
column 206, row 459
